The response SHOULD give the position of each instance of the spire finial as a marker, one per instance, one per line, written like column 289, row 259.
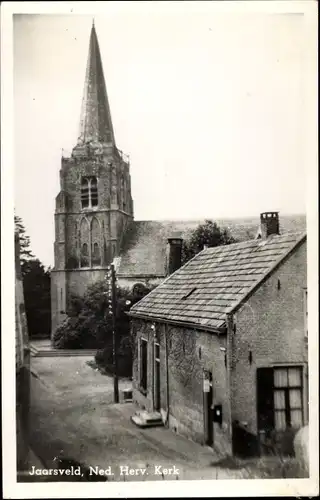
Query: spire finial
column 93, row 22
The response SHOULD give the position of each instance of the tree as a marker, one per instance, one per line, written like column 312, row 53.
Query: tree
column 209, row 234
column 88, row 325
column 36, row 286
column 24, row 240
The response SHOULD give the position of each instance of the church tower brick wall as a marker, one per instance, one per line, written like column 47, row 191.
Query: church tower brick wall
column 94, row 205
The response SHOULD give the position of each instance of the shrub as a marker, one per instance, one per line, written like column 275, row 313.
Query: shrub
column 73, row 333
column 88, row 326
column 104, row 359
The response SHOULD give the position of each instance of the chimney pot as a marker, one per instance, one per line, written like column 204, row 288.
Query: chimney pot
column 174, row 253
column 269, row 223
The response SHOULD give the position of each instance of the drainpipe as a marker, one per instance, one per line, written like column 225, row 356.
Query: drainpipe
column 167, row 373
column 153, row 337
column 229, row 353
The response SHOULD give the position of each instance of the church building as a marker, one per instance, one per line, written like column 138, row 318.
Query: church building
column 94, row 221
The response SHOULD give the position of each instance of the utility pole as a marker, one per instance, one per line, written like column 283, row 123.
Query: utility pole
column 112, row 310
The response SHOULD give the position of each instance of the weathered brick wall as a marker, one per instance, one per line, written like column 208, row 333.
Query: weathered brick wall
column 73, row 169
column 110, row 191
column 73, row 240
column 113, row 212
column 190, row 352
column 58, row 298
column 79, row 281
column 271, row 326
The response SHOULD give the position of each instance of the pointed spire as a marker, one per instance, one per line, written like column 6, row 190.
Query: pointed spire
column 95, row 121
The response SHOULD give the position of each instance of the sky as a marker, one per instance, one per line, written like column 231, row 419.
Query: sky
column 208, row 105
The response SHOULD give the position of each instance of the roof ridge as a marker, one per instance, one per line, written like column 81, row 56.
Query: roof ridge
column 258, row 241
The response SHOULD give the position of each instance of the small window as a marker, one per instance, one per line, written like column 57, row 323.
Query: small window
column 113, row 250
column 84, row 255
column 96, row 259
column 143, row 365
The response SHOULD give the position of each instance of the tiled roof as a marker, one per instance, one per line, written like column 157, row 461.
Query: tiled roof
column 144, row 246
column 215, row 281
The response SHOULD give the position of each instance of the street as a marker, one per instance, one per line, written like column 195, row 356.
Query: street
column 73, row 417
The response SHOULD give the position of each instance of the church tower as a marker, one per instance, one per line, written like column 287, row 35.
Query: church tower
column 94, row 205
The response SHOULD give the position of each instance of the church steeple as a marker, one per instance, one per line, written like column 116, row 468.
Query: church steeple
column 94, row 205
column 95, row 120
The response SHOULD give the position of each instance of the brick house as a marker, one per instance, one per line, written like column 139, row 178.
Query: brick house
column 221, row 344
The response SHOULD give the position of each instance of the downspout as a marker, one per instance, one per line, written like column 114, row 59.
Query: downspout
column 153, row 329
column 167, row 374
column 229, row 353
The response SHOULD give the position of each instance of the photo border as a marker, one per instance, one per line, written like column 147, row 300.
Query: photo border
column 187, row 488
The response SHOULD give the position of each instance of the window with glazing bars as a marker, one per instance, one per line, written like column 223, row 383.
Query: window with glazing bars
column 89, row 192
column 287, row 397
column 280, row 398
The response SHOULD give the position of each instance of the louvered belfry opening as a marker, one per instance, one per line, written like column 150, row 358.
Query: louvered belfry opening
column 84, row 192
column 94, row 191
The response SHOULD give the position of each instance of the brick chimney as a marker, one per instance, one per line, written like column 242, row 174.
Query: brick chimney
column 174, row 253
column 269, row 224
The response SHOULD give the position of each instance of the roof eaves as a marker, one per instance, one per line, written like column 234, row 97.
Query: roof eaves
column 140, row 275
column 194, row 326
column 268, row 273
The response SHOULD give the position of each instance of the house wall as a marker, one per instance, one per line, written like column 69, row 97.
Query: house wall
column 270, row 325
column 190, row 352
column 22, row 357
